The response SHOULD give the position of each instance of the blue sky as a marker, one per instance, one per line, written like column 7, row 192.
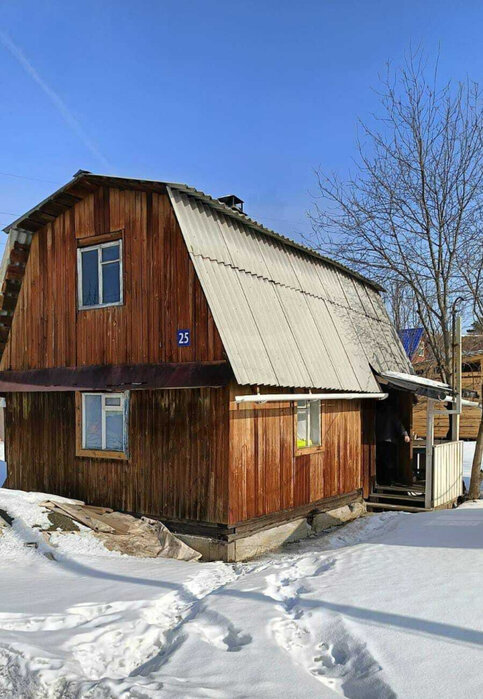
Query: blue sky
column 232, row 97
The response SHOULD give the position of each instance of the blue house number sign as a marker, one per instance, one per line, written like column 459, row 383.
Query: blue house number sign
column 184, row 338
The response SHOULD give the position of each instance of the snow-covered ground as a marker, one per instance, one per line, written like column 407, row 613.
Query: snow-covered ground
column 389, row 605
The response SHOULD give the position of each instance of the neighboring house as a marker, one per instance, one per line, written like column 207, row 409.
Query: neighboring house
column 137, row 316
column 413, row 343
column 471, row 381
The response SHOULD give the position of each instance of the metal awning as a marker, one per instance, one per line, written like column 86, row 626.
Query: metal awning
column 419, row 385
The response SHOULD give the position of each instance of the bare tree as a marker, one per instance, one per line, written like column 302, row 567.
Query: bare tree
column 399, row 298
column 414, row 205
column 475, row 480
column 470, row 263
column 476, row 328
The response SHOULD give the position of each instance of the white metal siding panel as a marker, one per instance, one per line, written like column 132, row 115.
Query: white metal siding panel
column 365, row 300
column 378, row 304
column 352, row 297
column 447, row 473
column 389, row 356
column 368, row 339
column 201, row 228
column 397, row 356
column 307, row 274
column 331, row 282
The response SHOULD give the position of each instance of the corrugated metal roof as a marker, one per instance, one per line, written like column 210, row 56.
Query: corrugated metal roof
column 418, row 384
column 286, row 318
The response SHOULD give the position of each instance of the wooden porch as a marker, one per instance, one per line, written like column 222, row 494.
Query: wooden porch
column 437, row 481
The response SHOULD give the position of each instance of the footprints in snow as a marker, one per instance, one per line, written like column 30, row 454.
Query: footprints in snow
column 217, row 630
column 339, row 659
column 160, row 628
column 347, row 665
column 133, row 639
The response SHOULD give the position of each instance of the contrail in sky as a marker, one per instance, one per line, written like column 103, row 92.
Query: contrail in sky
column 58, row 102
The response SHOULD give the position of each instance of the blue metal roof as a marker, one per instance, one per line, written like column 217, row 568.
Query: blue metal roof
column 410, row 338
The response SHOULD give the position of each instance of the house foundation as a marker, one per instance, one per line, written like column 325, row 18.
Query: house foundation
column 242, row 547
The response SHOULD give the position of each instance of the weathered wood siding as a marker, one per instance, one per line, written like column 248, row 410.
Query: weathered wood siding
column 266, row 474
column 178, row 453
column 161, row 291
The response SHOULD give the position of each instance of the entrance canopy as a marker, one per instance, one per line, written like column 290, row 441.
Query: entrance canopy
column 419, row 385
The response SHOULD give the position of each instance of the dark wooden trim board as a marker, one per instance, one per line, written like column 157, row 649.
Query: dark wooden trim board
column 118, row 377
column 99, row 239
column 240, row 530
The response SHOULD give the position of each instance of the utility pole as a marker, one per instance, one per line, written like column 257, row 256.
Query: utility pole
column 456, row 407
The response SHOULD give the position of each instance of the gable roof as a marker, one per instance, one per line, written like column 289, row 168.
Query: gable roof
column 287, row 315
column 410, row 338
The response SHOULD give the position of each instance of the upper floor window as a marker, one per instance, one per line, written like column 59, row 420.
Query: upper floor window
column 308, row 424
column 100, row 274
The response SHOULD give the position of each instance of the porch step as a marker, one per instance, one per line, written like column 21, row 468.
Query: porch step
column 388, row 506
column 375, row 497
column 400, row 488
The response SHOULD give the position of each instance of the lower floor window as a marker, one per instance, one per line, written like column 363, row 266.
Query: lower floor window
column 104, row 421
column 308, row 423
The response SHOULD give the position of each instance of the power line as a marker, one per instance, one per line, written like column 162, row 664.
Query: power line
column 24, row 177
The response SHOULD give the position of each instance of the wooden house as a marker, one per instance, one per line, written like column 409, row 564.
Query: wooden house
column 164, row 354
column 472, row 381
column 413, row 342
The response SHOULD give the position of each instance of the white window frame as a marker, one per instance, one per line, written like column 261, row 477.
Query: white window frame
column 306, row 407
column 99, row 247
column 121, row 408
